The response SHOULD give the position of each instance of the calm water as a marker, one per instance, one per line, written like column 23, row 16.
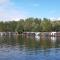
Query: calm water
column 29, row 48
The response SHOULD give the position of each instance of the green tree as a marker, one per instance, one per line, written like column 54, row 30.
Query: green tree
column 20, row 28
column 46, row 25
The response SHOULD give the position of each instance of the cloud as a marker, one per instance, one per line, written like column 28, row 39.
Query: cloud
column 55, row 18
column 58, row 18
column 52, row 18
column 8, row 11
column 12, row 14
column 3, row 2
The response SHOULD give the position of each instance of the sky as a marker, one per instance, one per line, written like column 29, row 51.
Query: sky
column 21, row 9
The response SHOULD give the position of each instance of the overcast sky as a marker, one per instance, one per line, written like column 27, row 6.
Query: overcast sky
column 17, row 9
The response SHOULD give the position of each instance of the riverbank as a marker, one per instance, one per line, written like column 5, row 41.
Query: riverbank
column 32, row 33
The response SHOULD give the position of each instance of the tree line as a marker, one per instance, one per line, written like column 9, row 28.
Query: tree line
column 30, row 25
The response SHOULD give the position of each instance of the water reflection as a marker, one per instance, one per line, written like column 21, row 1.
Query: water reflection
column 53, row 39
column 37, row 37
column 21, row 47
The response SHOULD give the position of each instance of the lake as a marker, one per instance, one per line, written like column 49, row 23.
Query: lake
column 22, row 47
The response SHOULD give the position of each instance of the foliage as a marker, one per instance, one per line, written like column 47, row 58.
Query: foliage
column 30, row 25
